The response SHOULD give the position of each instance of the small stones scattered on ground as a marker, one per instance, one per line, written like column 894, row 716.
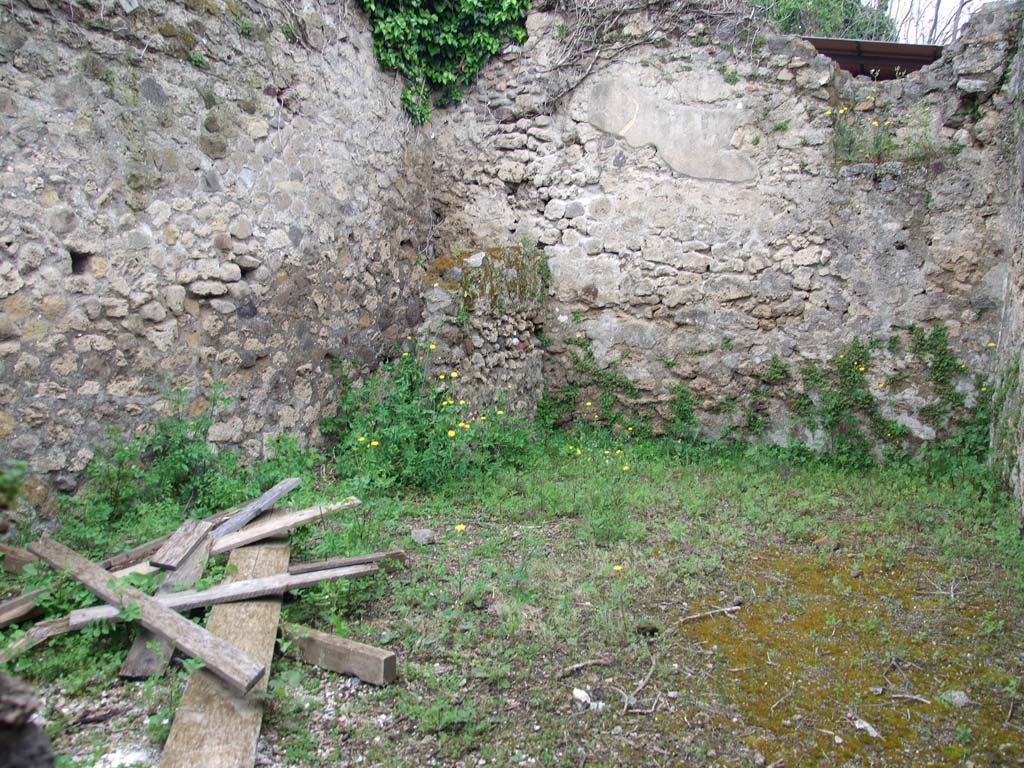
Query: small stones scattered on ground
column 958, row 699
column 423, row 536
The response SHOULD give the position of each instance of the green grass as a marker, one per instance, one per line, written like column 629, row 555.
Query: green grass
column 555, row 545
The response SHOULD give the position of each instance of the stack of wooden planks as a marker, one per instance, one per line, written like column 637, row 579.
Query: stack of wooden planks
column 220, row 712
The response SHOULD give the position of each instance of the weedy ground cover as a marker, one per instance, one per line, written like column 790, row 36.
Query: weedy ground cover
column 870, row 594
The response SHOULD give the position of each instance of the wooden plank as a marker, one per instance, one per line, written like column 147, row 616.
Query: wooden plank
column 150, row 653
column 213, row 726
column 338, row 654
column 231, row 592
column 39, row 633
column 257, row 507
column 23, row 606
column 343, row 562
column 18, row 608
column 14, row 559
column 278, row 524
column 183, row 542
column 222, row 658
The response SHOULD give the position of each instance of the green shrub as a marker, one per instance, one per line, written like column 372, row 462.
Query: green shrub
column 441, row 46
column 396, row 429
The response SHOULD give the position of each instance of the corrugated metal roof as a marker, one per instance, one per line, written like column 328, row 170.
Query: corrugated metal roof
column 874, row 58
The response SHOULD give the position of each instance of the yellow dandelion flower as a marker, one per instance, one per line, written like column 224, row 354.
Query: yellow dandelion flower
column 607, row 453
column 990, row 344
column 408, row 338
column 579, row 452
column 462, row 402
column 460, row 527
column 361, row 439
column 984, row 389
column 616, row 568
column 618, row 451
column 432, row 347
column 629, row 429
column 483, row 418
column 374, row 443
column 963, row 365
column 841, row 357
column 625, row 467
column 451, row 433
column 500, row 413
column 405, row 354
column 588, row 403
column 861, row 368
column 828, row 112
column 882, row 385
column 874, row 123
column 455, row 374
column 441, row 376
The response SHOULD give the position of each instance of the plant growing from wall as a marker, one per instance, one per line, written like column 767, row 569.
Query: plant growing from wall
column 441, row 46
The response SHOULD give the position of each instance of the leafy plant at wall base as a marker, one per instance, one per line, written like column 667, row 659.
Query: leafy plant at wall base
column 441, row 46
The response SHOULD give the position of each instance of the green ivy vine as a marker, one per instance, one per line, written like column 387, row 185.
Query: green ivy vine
column 441, row 45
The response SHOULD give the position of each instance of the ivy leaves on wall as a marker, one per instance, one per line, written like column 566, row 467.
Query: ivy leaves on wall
column 441, row 45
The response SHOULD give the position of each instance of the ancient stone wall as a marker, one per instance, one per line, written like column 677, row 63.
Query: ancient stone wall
column 1008, row 415
column 190, row 194
column 710, row 205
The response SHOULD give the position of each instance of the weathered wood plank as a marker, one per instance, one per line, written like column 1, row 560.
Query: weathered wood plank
column 18, row 608
column 37, row 634
column 344, row 562
column 212, row 726
column 183, row 542
column 14, row 559
column 285, row 521
column 230, row 592
column 150, row 653
column 222, row 658
column 23, row 606
column 338, row 654
column 257, row 507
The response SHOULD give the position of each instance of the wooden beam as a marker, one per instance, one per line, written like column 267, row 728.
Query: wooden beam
column 257, row 506
column 14, row 559
column 183, row 542
column 213, row 726
column 150, row 653
column 23, row 606
column 343, row 562
column 338, row 654
column 230, row 592
column 37, row 634
column 222, row 658
column 280, row 523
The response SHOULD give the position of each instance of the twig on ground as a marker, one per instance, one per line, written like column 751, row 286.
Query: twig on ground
column 784, row 697
column 643, row 683
column 909, row 697
column 651, row 711
column 583, row 665
column 730, row 609
column 1009, row 715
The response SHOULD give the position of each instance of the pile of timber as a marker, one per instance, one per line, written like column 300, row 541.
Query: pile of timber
column 220, row 712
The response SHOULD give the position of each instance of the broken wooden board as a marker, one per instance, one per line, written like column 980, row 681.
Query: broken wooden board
column 37, row 634
column 213, row 726
column 150, row 653
column 222, row 658
column 183, row 542
column 14, row 559
column 284, row 521
column 23, row 606
column 230, row 592
column 338, row 654
column 344, row 562
column 256, row 507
